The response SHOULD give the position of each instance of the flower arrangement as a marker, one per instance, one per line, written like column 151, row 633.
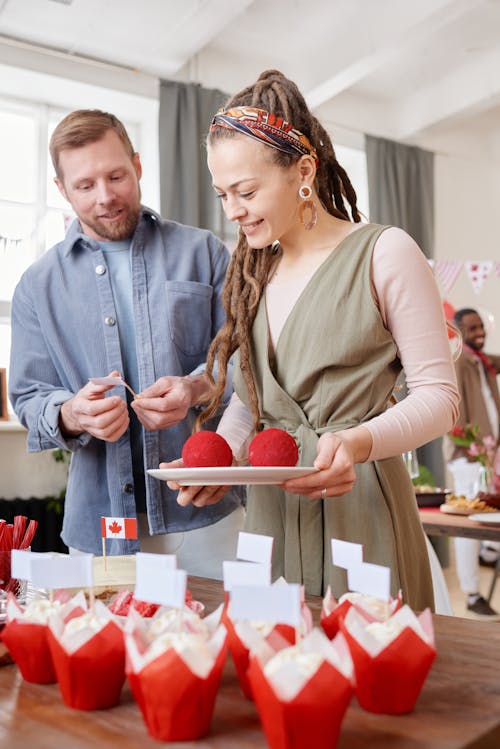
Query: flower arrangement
column 478, row 448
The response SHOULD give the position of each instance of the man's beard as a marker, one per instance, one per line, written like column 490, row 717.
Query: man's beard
column 118, row 230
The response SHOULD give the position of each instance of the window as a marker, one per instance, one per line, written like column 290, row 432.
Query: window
column 33, row 214
column 353, row 160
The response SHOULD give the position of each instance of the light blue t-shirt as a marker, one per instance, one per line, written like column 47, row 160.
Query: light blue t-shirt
column 118, row 261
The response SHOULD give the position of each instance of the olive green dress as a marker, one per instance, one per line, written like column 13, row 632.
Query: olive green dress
column 335, row 366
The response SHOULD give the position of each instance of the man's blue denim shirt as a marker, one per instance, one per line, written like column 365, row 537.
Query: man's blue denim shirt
column 64, row 331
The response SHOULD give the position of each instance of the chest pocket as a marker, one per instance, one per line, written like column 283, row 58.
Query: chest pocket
column 189, row 309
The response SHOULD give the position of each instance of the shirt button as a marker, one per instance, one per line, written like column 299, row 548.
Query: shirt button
column 100, row 270
column 110, row 321
column 128, row 488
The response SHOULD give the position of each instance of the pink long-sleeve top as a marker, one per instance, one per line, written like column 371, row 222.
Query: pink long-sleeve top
column 406, row 294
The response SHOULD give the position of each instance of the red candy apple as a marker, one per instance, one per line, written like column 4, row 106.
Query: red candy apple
column 206, row 449
column 273, row 447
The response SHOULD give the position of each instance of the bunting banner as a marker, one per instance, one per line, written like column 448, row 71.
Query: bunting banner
column 478, row 272
column 447, row 272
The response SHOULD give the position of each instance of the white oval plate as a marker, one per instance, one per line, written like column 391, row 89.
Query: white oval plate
column 231, row 476
column 489, row 518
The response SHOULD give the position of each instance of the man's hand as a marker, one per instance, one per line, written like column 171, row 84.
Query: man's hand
column 199, row 496
column 168, row 400
column 89, row 411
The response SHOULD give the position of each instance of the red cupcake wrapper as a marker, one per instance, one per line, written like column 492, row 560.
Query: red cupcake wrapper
column 330, row 623
column 28, row 645
column 281, row 636
column 312, row 719
column 176, row 704
column 92, row 677
column 391, row 682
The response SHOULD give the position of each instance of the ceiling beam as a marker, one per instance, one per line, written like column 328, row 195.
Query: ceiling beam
column 467, row 90
column 388, row 50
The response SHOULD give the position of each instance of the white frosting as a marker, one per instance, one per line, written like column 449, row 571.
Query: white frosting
column 80, row 629
column 169, row 620
column 385, row 632
column 85, row 621
column 181, row 642
column 39, row 609
column 374, row 605
column 306, row 664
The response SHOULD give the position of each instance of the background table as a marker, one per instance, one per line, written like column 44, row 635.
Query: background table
column 458, row 708
column 437, row 523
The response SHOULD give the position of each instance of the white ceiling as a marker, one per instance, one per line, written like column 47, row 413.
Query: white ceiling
column 421, row 71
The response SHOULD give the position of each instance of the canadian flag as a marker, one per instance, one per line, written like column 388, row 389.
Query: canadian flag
column 118, row 527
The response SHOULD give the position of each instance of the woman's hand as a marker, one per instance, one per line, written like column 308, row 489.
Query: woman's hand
column 199, row 496
column 337, row 452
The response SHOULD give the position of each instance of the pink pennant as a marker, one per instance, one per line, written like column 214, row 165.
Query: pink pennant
column 447, row 271
column 478, row 271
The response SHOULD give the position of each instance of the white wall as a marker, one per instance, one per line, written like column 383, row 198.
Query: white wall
column 467, row 203
column 23, row 475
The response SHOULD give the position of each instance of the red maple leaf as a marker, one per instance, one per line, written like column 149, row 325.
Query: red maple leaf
column 115, row 527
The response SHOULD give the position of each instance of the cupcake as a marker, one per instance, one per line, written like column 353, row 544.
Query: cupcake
column 391, row 658
column 302, row 692
column 89, row 658
column 26, row 633
column 243, row 636
column 174, row 667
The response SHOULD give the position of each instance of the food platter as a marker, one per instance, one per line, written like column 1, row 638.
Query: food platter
column 231, row 476
column 487, row 518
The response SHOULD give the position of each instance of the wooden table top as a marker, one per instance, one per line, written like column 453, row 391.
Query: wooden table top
column 459, row 706
column 437, row 523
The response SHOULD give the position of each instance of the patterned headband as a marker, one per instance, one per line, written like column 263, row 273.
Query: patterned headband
column 265, row 127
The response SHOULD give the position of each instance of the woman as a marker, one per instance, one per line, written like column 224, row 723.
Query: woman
column 323, row 312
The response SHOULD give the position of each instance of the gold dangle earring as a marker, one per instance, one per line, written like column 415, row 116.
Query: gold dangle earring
column 307, row 204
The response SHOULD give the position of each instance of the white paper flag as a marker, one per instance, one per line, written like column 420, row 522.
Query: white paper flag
column 245, row 573
column 252, row 547
column 277, row 603
column 346, row 554
column 21, row 560
column 152, row 562
column 370, row 579
column 158, row 582
column 64, row 571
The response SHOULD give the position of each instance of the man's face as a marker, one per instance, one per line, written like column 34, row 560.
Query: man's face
column 472, row 330
column 101, row 182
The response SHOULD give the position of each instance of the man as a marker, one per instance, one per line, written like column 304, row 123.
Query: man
column 125, row 292
column 480, row 404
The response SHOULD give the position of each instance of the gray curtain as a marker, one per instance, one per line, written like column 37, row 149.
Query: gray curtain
column 186, row 193
column 401, row 188
column 401, row 193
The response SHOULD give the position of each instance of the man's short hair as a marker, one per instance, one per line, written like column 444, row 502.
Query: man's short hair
column 85, row 126
column 461, row 313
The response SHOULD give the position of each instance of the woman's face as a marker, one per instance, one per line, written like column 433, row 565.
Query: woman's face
column 259, row 195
